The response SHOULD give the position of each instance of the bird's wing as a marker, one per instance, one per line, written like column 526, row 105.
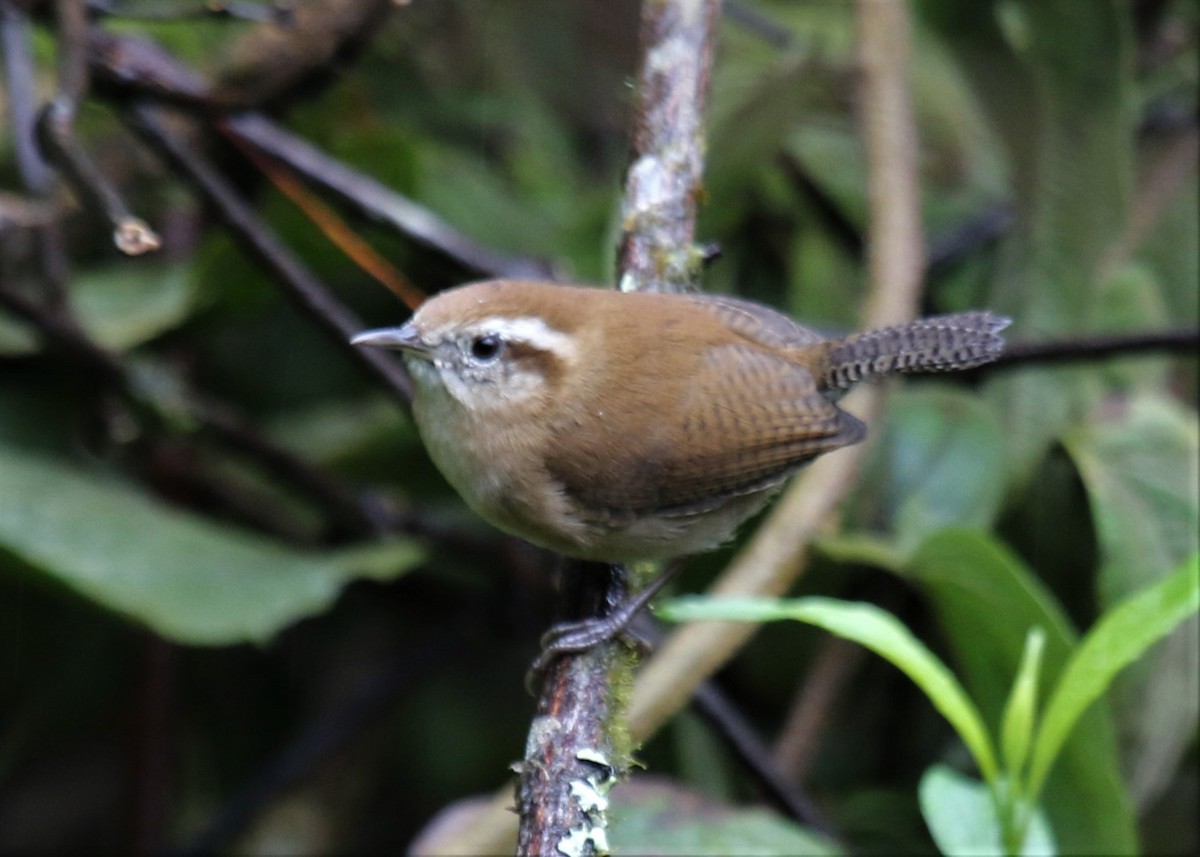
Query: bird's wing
column 756, row 322
column 699, row 450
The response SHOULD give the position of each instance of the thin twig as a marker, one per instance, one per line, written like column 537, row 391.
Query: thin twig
column 895, row 246
column 712, row 704
column 131, row 235
column 71, row 52
column 56, row 132
column 1096, row 347
column 1168, row 174
column 377, row 202
column 130, row 67
column 338, row 231
column 298, row 283
column 36, row 174
column 756, row 22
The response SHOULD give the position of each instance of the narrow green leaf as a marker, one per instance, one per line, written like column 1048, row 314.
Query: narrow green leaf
column 1117, row 640
column 1016, row 729
column 986, row 599
column 189, row 579
column 862, row 548
column 869, row 626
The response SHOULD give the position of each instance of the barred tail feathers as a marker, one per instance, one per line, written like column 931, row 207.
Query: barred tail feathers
column 942, row 343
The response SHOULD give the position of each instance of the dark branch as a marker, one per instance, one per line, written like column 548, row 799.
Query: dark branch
column 1095, row 348
column 298, row 283
column 129, row 67
column 56, row 133
column 21, row 78
column 280, row 13
column 735, row 729
column 377, row 202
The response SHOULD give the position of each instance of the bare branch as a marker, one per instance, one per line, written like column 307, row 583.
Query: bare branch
column 574, row 751
column 664, row 182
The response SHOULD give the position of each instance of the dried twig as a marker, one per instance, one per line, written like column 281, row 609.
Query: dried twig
column 131, row 235
column 799, row 739
column 338, row 231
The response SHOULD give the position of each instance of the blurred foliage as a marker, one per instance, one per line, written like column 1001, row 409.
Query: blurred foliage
column 181, row 628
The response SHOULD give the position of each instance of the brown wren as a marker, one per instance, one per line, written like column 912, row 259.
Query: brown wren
column 616, row 426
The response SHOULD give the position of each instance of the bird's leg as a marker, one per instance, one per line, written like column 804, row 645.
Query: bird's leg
column 583, row 634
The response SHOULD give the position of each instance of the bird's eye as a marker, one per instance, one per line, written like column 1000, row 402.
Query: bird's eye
column 486, row 347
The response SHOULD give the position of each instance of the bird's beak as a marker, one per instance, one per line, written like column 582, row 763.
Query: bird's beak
column 404, row 338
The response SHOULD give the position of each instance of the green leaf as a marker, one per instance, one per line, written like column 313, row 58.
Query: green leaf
column 1118, row 639
column 1139, row 467
column 121, row 306
column 945, row 451
column 962, row 817
column 868, row 626
column 188, row 579
column 650, row 816
column 986, row 601
column 1016, row 727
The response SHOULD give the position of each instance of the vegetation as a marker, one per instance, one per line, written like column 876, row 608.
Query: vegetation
column 241, row 611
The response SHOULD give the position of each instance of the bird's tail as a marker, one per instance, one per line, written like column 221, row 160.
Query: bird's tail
column 940, row 343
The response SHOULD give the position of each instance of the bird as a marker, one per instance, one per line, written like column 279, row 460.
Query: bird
column 617, row 427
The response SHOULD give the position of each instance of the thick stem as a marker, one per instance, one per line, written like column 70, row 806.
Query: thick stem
column 576, row 746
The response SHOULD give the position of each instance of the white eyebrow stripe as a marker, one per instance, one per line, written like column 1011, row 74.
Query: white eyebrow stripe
column 531, row 330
